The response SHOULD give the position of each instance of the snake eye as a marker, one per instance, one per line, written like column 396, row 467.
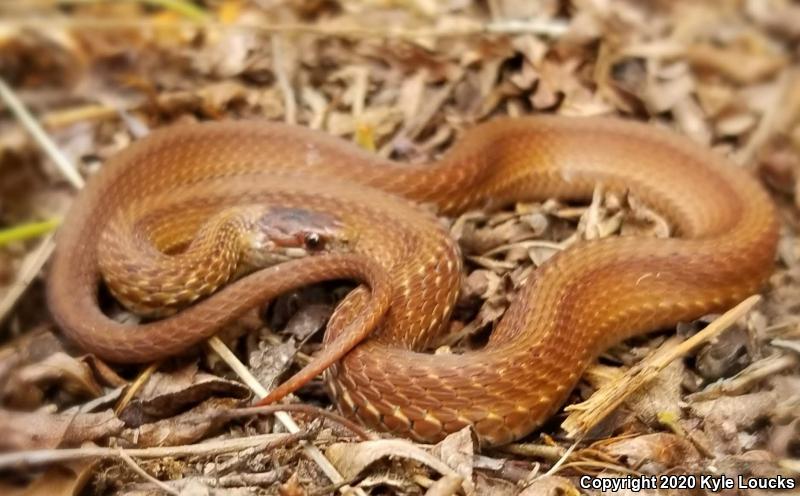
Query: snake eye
column 312, row 240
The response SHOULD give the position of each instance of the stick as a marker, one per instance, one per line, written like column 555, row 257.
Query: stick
column 25, row 459
column 584, row 416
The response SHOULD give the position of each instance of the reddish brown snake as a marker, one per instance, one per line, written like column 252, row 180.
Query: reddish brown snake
column 160, row 191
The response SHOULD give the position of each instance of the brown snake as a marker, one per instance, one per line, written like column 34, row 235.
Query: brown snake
column 139, row 219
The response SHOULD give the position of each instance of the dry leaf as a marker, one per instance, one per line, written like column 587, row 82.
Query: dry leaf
column 458, row 450
column 740, row 66
column 75, row 376
column 552, row 485
column 269, row 363
column 65, row 479
column 185, row 428
column 743, row 411
column 653, row 453
column 168, row 393
column 353, row 458
column 39, row 430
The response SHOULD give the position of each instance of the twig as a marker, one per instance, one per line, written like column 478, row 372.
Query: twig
column 91, row 112
column 787, row 344
column 551, row 453
column 31, row 266
column 239, row 368
column 601, row 465
column 139, row 470
column 584, row 416
column 284, row 418
column 557, row 466
column 265, row 442
column 39, row 135
column 756, row 371
column 551, row 28
column 134, row 388
column 279, row 64
column 307, row 409
column 229, row 481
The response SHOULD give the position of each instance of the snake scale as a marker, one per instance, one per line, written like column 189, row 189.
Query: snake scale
column 157, row 223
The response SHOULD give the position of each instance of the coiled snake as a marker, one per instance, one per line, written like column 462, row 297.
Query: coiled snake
column 143, row 222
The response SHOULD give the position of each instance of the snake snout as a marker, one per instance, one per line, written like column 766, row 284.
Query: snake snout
column 282, row 234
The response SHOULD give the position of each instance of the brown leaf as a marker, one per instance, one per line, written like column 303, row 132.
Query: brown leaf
column 494, row 486
column 269, row 362
column 39, row 430
column 74, row 376
column 653, row 453
column 725, row 355
column 662, row 395
column 447, row 485
column 65, row 479
column 644, row 221
column 551, row 485
column 292, row 487
column 458, row 450
column 353, row 458
column 480, row 283
column 738, row 65
column 168, row 393
column 186, row 428
column 742, row 411
column 308, row 320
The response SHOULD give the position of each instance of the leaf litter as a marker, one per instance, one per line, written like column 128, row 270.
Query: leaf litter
column 404, row 79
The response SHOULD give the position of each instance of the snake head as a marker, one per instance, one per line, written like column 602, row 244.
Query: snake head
column 282, row 233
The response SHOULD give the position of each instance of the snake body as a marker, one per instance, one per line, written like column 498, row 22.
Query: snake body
column 575, row 305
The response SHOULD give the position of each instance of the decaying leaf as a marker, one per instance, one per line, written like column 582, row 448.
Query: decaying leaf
column 458, row 450
column 551, row 485
column 67, row 479
column 168, row 393
column 185, row 428
column 32, row 430
column 654, row 453
column 75, row 376
column 352, row 459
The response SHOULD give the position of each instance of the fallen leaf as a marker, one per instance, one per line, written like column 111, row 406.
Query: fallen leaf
column 74, row 376
column 39, row 430
column 65, row 479
column 185, row 428
column 740, row 66
column 168, row 393
column 351, row 459
column 551, row 485
column 656, row 453
column 458, row 450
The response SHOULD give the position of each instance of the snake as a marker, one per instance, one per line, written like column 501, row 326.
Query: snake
column 196, row 224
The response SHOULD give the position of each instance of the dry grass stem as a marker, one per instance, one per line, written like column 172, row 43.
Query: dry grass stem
column 584, row 416
column 139, row 470
column 40, row 136
column 284, row 418
column 34, row 458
